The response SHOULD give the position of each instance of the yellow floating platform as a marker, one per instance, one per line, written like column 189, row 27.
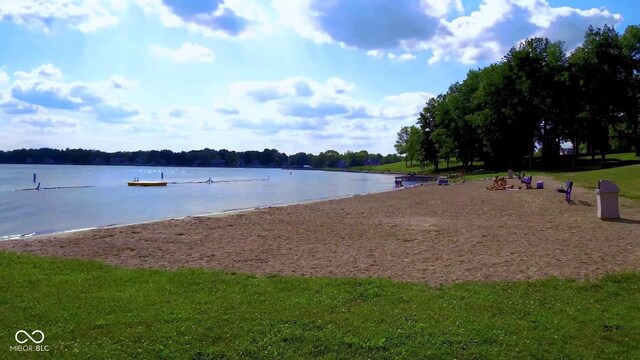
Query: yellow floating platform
column 147, row 183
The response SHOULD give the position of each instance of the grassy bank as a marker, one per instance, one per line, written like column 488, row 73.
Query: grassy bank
column 90, row 310
column 626, row 177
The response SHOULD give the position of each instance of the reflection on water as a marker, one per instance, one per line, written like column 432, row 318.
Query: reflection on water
column 110, row 201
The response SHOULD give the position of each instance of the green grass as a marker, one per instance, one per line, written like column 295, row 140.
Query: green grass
column 626, row 177
column 90, row 310
column 629, row 156
column 401, row 167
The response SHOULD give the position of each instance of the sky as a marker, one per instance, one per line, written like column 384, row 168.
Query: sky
column 294, row 75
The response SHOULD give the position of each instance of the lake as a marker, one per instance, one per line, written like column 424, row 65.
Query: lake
column 111, row 202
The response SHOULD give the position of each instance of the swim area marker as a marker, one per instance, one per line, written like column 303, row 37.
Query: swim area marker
column 208, row 181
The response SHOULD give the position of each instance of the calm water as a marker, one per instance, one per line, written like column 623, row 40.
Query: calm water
column 112, row 202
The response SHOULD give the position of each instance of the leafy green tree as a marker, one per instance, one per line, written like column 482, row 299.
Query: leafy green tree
column 427, row 123
column 631, row 50
column 413, row 144
column 599, row 64
column 401, row 142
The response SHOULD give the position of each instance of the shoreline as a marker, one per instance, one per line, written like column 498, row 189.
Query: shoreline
column 429, row 234
column 36, row 235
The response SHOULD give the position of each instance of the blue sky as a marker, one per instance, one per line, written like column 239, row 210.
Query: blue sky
column 295, row 75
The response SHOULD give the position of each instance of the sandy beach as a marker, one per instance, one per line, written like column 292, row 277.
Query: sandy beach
column 432, row 234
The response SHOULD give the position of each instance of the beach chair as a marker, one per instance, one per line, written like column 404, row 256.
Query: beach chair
column 567, row 196
column 527, row 181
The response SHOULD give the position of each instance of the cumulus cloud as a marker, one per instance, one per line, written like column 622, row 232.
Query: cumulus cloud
column 309, row 110
column 43, row 88
column 121, row 82
column 46, row 71
column 380, row 54
column 86, row 16
column 13, row 107
column 115, row 112
column 210, row 14
column 177, row 113
column 489, row 32
column 569, row 25
column 264, row 91
column 187, row 53
column 362, row 24
column 360, row 112
column 45, row 123
column 385, row 28
column 46, row 94
column 271, row 126
column 227, row 110
column 442, row 8
column 226, row 18
column 404, row 105
column 4, row 77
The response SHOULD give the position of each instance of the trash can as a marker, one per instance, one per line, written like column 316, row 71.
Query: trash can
column 510, row 174
column 607, row 199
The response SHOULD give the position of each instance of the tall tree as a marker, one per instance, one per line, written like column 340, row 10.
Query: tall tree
column 600, row 66
column 401, row 142
column 413, row 144
column 631, row 49
column 427, row 123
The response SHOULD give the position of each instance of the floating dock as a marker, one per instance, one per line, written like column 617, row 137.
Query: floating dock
column 147, row 183
column 417, row 178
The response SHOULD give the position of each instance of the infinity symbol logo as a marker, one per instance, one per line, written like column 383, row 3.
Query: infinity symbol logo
column 29, row 336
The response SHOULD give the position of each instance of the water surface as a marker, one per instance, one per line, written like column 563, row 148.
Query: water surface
column 111, row 202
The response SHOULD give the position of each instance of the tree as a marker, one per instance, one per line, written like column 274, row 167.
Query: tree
column 599, row 64
column 413, row 144
column 427, row 122
column 401, row 142
column 631, row 49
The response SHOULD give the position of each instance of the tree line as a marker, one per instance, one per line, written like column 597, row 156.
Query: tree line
column 201, row 158
column 536, row 99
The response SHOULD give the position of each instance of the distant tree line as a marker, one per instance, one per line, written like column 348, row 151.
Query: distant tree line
column 537, row 98
column 200, row 158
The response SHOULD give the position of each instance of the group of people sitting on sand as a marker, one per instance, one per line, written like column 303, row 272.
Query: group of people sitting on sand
column 500, row 183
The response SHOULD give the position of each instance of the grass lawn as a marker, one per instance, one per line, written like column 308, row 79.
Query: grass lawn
column 90, row 310
column 401, row 167
column 626, row 177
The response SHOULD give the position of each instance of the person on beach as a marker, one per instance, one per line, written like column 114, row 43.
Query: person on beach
column 500, row 183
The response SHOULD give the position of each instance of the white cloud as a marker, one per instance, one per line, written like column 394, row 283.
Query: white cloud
column 442, row 8
column 45, row 123
column 46, row 71
column 361, row 24
column 405, row 105
column 227, row 19
column 4, row 77
column 388, row 28
column 376, row 53
column 121, row 82
column 406, row 57
column 43, row 89
column 86, row 16
column 187, row 53
column 264, row 91
column 489, row 32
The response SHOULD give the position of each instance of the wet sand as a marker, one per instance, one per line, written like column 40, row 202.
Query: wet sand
column 432, row 234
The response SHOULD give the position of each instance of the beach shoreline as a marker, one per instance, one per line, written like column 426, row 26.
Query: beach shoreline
column 35, row 235
column 431, row 234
